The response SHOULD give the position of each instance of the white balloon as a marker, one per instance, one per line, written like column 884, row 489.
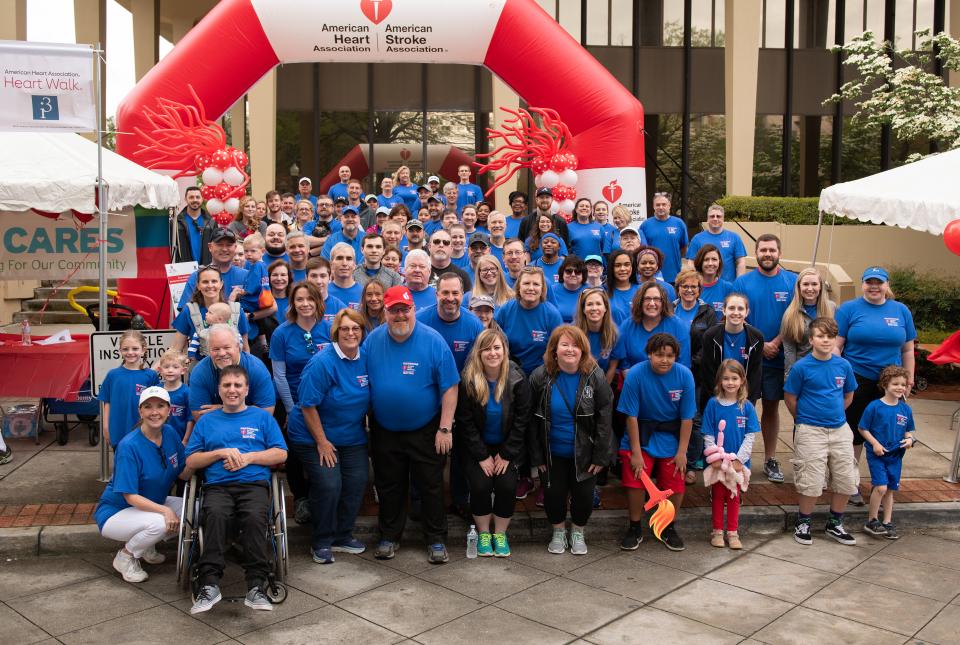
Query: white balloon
column 568, row 178
column 212, row 176
column 550, row 179
column 232, row 176
column 566, row 206
column 232, row 205
column 554, row 207
column 214, row 206
column 538, row 180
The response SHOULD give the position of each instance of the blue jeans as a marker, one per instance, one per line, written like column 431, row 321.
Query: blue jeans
column 335, row 493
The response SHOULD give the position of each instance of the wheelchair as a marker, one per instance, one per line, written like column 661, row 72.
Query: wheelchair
column 190, row 538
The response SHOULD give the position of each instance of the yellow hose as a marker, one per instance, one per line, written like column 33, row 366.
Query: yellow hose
column 73, row 303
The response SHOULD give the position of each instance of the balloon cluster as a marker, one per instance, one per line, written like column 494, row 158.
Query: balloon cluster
column 183, row 139
column 542, row 149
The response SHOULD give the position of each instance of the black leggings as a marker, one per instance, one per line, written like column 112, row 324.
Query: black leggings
column 866, row 392
column 563, row 482
column 503, row 487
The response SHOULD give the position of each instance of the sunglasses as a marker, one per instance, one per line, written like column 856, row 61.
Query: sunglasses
column 163, row 457
column 308, row 339
column 443, row 242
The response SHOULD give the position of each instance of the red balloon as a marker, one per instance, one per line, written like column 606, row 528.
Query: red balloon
column 558, row 162
column 540, row 165
column 201, row 161
column 951, row 236
column 223, row 190
column 208, row 192
column 240, row 158
column 571, row 161
column 223, row 218
column 220, row 159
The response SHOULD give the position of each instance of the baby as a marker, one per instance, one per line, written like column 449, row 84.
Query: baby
column 217, row 313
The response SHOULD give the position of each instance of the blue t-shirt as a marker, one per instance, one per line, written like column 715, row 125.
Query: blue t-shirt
column 561, row 415
column 684, row 316
column 728, row 243
column 620, row 303
column 339, row 388
column 670, row 236
column 769, row 298
column 340, row 236
column 408, row 379
column 602, row 356
column 741, row 421
column 513, row 226
column 204, row 389
column 141, row 467
column 462, row 262
column 257, row 280
column 715, row 293
column 121, row 389
column 874, row 334
column 565, row 300
column 425, row 297
column 329, row 228
column 233, row 277
column 586, row 239
column 339, row 189
column 550, row 271
column 459, row 335
column 179, row 409
column 390, row 201
column 352, row 296
column 631, row 347
column 810, row 310
column 888, row 424
column 282, row 303
column 252, row 430
column 331, row 307
column 195, row 233
column 468, row 195
column 820, row 387
column 649, row 396
column 611, row 237
column 269, row 259
column 735, row 346
column 528, row 331
column 409, row 196
column 289, row 344
column 493, row 424
column 183, row 323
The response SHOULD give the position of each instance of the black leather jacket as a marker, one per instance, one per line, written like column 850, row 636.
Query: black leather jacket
column 593, row 432
column 712, row 356
column 183, row 251
column 471, row 418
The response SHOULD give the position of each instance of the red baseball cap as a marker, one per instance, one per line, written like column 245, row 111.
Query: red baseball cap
column 398, row 295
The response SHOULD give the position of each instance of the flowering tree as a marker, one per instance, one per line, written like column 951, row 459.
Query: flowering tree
column 912, row 101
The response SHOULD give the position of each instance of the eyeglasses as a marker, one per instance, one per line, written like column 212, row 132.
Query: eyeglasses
column 488, row 271
column 443, row 242
column 652, row 299
column 689, row 287
column 402, row 309
column 308, row 339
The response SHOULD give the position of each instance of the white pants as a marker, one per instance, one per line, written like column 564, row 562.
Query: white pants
column 141, row 530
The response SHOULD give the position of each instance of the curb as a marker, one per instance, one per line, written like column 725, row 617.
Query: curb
column 525, row 528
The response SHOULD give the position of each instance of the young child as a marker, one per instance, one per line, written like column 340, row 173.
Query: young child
column 817, row 392
column 659, row 402
column 217, row 313
column 887, row 425
column 121, row 389
column 741, row 426
column 257, row 299
column 172, row 366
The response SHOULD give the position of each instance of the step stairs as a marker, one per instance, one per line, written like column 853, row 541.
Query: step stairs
column 58, row 309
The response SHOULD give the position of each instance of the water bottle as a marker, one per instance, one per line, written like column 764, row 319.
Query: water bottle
column 472, row 538
column 25, row 339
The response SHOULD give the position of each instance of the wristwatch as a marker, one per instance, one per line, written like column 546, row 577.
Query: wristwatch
column 249, row 316
column 443, row 430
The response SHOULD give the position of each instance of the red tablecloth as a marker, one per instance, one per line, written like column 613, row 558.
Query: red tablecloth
column 38, row 371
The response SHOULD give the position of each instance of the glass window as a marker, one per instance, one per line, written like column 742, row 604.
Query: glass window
column 569, row 17
column 621, row 23
column 853, row 20
column 925, row 17
column 903, row 27
column 598, row 22
column 550, row 6
column 774, row 22
column 673, row 24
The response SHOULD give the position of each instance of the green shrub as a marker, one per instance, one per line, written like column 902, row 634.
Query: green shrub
column 933, row 300
column 786, row 210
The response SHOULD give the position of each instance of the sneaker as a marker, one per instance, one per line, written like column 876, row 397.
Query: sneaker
column 524, row 487
column 501, row 548
column 301, row 511
column 733, row 539
column 772, row 470
column 485, row 545
column 671, row 539
column 129, row 567
column 801, row 533
column 857, row 500
column 539, row 500
column 891, row 533
column 558, row 543
column 716, row 538
column 437, row 554
column 353, row 545
column 323, row 555
column 632, row 538
column 597, row 502
column 257, row 599
column 152, row 556
column 386, row 550
column 208, row 596
column 875, row 527
column 578, row 546
column 6, row 456
column 837, row 532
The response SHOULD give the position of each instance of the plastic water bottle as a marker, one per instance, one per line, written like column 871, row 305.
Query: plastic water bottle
column 25, row 333
column 472, row 538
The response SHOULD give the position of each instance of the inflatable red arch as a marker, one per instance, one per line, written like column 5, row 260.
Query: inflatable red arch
column 241, row 40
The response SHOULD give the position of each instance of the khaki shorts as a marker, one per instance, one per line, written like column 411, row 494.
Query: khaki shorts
column 823, row 458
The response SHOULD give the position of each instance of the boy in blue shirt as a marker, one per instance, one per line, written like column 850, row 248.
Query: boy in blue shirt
column 887, row 425
column 172, row 366
column 817, row 392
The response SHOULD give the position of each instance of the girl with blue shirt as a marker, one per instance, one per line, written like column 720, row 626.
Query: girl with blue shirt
column 714, row 289
column 123, row 385
column 492, row 420
column 586, row 236
column 809, row 303
column 328, row 434
column 134, row 507
column 528, row 319
column 566, row 293
column 740, row 427
column 621, row 284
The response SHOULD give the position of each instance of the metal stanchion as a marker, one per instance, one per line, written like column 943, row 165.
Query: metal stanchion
column 953, row 476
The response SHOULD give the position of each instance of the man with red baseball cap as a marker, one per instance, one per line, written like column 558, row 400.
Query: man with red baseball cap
column 413, row 391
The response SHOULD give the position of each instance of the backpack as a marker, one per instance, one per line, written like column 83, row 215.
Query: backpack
column 200, row 325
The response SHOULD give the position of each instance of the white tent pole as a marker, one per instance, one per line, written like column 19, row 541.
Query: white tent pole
column 816, row 243
column 101, row 250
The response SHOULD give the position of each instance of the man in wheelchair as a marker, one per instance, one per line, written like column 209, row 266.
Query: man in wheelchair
column 236, row 445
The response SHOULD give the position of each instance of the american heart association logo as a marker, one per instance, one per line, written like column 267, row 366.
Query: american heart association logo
column 404, row 153
column 376, row 10
column 612, row 191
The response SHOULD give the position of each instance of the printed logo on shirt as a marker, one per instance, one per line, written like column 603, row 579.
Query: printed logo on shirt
column 724, row 244
column 717, row 306
column 741, row 423
column 743, row 353
column 840, row 380
column 538, row 336
column 587, row 392
column 675, row 395
column 177, row 411
column 140, row 388
column 354, row 305
column 408, row 369
column 363, row 380
column 173, row 460
column 605, row 353
column 781, row 296
column 672, row 230
column 892, row 322
column 596, row 232
column 901, row 419
column 248, row 433
column 556, row 277
column 329, row 317
column 460, row 346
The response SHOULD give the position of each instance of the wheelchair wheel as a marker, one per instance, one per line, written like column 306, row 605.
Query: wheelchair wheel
column 277, row 592
column 186, row 539
column 279, row 529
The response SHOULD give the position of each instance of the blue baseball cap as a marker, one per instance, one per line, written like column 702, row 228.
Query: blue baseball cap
column 875, row 273
column 593, row 258
column 350, row 209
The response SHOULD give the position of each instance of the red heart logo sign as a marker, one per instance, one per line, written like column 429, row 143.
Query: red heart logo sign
column 612, row 191
column 404, row 154
column 376, row 10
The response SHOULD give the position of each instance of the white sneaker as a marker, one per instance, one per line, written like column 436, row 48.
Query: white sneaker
column 152, row 556
column 129, row 567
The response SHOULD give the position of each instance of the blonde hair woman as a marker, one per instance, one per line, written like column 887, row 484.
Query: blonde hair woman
column 490, row 281
column 810, row 301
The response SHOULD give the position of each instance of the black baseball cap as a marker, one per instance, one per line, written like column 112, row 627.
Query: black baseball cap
column 223, row 234
column 544, row 191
